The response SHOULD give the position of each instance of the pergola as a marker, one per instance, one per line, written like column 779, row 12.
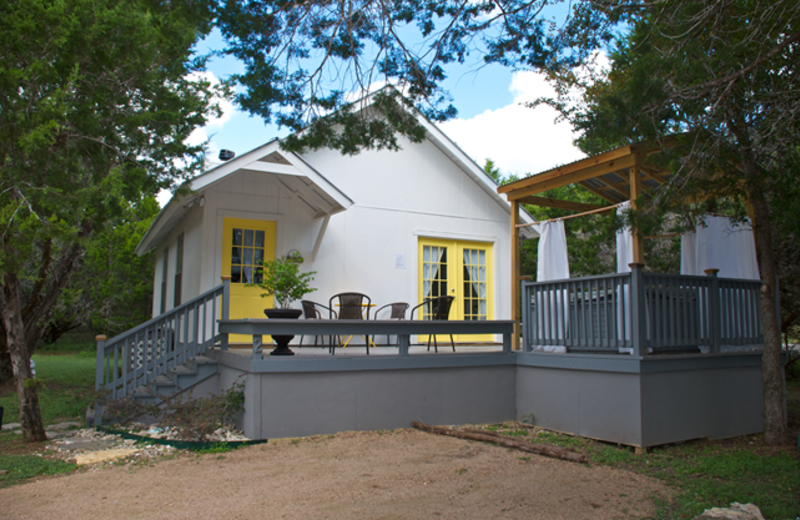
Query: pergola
column 616, row 175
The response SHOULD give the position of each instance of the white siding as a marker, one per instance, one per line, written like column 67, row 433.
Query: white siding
column 398, row 198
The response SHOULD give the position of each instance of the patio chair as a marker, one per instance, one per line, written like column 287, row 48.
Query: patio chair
column 311, row 311
column 352, row 306
column 398, row 312
column 439, row 310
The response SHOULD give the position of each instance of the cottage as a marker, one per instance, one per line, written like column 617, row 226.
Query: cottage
column 631, row 357
column 398, row 226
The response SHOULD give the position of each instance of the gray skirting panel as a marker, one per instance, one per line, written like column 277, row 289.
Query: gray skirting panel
column 635, row 401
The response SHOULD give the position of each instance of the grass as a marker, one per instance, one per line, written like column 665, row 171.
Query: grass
column 704, row 473
column 66, row 373
column 67, row 387
column 23, row 467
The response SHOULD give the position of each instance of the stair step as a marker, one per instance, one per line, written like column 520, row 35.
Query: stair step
column 179, row 378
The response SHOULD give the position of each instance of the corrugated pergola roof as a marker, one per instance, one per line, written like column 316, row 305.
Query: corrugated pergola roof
column 607, row 174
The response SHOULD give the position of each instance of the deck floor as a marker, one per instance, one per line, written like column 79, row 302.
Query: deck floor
column 380, row 350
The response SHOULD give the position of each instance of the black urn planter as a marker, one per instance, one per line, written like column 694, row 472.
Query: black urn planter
column 282, row 341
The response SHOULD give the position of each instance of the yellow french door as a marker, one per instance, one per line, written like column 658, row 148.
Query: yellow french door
column 245, row 244
column 462, row 270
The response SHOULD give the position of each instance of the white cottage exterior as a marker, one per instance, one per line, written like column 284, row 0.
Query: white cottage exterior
column 397, row 226
column 400, row 226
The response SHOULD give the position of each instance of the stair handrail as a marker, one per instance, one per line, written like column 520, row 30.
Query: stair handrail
column 157, row 345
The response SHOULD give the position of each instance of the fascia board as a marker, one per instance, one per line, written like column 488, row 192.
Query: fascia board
column 246, row 161
column 317, row 178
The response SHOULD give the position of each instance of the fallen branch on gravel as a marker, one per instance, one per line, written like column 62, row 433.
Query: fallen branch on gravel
column 485, row 436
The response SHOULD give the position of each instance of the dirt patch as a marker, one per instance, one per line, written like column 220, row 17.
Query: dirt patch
column 398, row 474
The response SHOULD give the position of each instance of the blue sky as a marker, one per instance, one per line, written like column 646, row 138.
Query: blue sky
column 491, row 122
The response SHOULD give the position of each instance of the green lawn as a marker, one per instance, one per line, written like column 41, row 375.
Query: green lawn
column 67, row 387
column 66, row 374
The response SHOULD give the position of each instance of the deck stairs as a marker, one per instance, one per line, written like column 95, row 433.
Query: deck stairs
column 163, row 357
column 176, row 381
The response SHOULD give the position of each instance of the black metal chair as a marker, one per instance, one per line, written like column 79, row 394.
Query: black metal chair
column 352, row 306
column 398, row 312
column 311, row 311
column 439, row 310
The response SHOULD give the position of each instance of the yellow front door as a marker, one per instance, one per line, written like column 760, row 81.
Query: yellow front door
column 460, row 269
column 245, row 244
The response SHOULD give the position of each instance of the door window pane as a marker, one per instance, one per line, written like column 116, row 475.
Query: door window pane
column 434, row 275
column 247, row 254
column 475, row 284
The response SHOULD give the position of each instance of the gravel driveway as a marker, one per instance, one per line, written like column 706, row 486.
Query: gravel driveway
column 397, row 474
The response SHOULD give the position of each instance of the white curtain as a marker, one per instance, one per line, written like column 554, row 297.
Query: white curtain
column 688, row 254
column 624, row 259
column 720, row 245
column 552, row 264
column 624, row 242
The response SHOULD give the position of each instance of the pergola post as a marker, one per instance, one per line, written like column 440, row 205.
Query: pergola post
column 638, row 239
column 515, row 274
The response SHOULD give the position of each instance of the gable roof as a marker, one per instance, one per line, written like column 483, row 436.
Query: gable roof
column 307, row 185
column 304, row 184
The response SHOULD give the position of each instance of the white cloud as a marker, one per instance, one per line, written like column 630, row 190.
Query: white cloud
column 214, row 124
column 520, row 140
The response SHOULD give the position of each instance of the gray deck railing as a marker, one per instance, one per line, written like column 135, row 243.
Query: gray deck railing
column 640, row 312
column 141, row 354
column 403, row 329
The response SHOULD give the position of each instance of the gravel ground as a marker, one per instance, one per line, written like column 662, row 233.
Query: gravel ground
column 397, row 474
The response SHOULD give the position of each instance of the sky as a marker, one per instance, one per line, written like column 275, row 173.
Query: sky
column 491, row 124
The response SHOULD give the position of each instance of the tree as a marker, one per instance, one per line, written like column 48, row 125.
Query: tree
column 724, row 74
column 306, row 61
column 97, row 98
column 112, row 289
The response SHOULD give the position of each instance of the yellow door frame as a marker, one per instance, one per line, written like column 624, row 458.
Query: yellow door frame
column 246, row 302
column 456, row 281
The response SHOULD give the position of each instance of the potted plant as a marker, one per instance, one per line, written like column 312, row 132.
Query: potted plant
column 282, row 279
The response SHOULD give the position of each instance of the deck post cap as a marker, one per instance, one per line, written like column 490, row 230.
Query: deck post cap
column 100, row 337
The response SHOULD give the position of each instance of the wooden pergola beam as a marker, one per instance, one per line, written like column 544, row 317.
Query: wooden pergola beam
column 599, row 192
column 638, row 239
column 546, row 202
column 618, row 187
column 652, row 174
column 589, row 162
column 538, row 184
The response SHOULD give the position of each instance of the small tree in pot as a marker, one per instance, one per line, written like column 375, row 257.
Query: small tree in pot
column 282, row 279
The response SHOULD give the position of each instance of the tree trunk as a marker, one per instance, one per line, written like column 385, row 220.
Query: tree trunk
column 30, row 415
column 5, row 356
column 775, row 428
